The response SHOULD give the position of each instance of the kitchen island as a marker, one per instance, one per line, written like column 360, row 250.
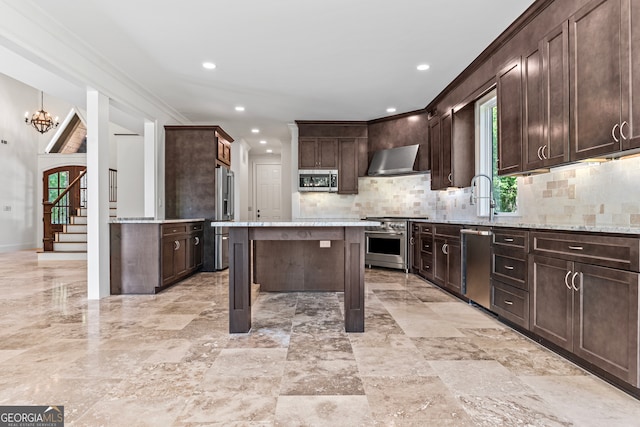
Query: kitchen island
column 350, row 232
column 148, row 255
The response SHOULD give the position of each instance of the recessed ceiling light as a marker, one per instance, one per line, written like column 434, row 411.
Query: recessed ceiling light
column 239, row 108
column 255, row 130
column 391, row 110
column 423, row 67
column 209, row 65
column 269, row 150
column 262, row 141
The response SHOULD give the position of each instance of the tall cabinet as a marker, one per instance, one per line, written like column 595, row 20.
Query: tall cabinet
column 192, row 154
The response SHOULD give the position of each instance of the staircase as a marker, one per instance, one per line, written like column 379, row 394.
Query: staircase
column 71, row 243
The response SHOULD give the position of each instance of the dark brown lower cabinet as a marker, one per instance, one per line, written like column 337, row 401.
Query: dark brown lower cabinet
column 447, row 268
column 589, row 310
column 149, row 257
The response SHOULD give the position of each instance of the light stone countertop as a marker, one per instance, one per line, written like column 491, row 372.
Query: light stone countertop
column 329, row 222
column 558, row 227
column 147, row 220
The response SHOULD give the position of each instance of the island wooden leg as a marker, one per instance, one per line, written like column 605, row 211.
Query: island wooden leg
column 354, row 279
column 239, row 281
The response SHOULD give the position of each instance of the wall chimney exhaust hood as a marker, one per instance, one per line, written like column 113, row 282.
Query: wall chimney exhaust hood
column 394, row 161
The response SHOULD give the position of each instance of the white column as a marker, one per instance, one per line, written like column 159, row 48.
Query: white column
column 150, row 169
column 97, row 195
column 295, row 195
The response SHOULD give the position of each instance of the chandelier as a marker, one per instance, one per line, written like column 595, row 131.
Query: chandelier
column 41, row 120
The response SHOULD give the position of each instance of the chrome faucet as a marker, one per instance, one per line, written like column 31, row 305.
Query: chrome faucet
column 492, row 202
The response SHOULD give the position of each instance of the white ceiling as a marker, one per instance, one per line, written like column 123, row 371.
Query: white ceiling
column 286, row 60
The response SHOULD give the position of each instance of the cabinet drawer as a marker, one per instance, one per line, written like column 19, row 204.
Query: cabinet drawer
column 510, row 303
column 194, row 227
column 426, row 228
column 607, row 251
column 511, row 239
column 447, row 230
column 426, row 264
column 427, row 244
column 510, row 270
column 168, row 229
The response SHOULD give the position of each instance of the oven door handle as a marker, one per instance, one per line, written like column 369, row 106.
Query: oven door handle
column 386, row 233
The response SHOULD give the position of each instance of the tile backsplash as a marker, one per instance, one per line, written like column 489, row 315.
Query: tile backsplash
column 583, row 194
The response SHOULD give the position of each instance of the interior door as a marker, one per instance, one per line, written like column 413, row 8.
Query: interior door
column 267, row 190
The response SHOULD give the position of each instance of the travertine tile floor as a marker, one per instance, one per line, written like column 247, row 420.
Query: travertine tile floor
column 426, row 359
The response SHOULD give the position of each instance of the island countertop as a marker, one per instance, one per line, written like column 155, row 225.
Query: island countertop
column 149, row 220
column 298, row 223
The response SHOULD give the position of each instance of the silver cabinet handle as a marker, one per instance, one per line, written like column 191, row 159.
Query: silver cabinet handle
column 412, row 241
column 573, row 281
column 544, row 156
column 508, row 240
column 176, row 245
column 508, row 302
column 621, row 127
column 508, row 267
column 539, row 155
column 450, row 177
column 445, row 249
column 566, row 280
column 613, row 132
column 197, row 240
column 576, row 248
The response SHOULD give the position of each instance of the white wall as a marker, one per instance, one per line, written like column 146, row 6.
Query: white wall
column 18, row 166
column 130, row 166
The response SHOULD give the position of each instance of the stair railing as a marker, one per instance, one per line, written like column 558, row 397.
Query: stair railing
column 48, row 207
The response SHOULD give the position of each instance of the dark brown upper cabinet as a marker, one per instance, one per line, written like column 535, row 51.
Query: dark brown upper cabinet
column 192, row 154
column 631, row 77
column 452, row 144
column 348, row 165
column 318, row 153
column 533, row 143
column 598, row 63
column 555, row 95
column 440, row 134
column 510, row 99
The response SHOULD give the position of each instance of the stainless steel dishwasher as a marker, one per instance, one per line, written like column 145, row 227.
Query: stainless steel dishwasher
column 476, row 264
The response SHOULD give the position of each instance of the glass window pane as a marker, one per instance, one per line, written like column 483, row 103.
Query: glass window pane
column 64, row 179
column 53, row 194
column 53, row 180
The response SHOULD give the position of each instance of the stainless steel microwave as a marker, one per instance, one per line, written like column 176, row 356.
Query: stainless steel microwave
column 318, row 180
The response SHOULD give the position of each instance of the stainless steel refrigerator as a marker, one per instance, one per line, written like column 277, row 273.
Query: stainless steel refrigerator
column 224, row 212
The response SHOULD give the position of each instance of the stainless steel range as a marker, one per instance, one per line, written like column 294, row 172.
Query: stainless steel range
column 386, row 245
